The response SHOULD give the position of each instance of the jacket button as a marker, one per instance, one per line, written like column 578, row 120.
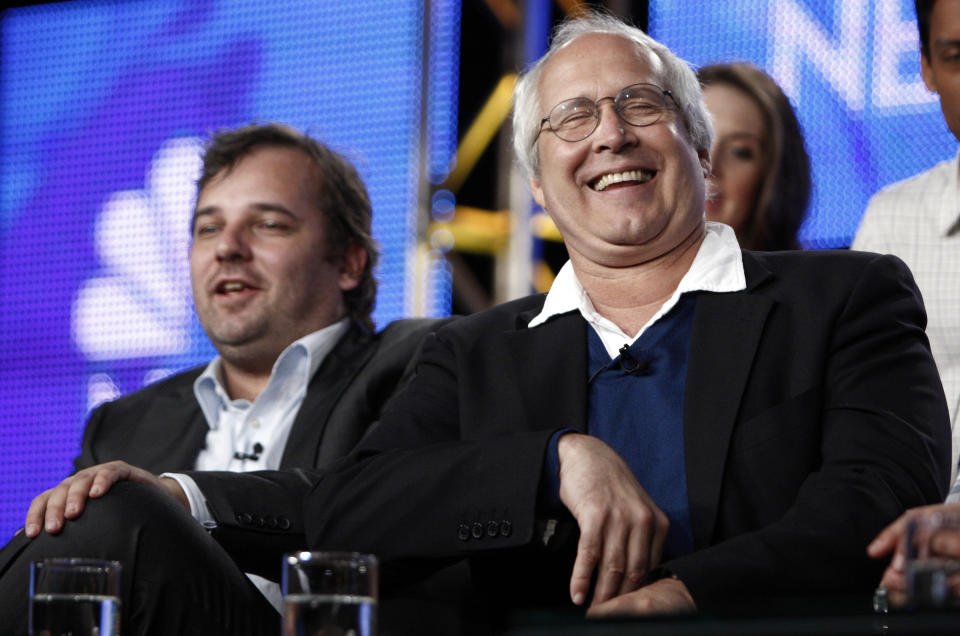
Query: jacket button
column 506, row 528
column 283, row 523
column 260, row 521
column 492, row 528
column 463, row 532
column 477, row 530
column 244, row 518
column 271, row 522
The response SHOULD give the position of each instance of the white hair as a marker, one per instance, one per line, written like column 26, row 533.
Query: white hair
column 678, row 78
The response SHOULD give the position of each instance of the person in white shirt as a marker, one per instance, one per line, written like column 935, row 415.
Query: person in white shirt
column 281, row 265
column 918, row 219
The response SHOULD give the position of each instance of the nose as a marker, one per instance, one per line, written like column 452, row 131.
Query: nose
column 232, row 244
column 612, row 132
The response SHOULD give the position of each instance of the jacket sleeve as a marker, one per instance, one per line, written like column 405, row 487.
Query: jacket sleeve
column 258, row 514
column 417, row 487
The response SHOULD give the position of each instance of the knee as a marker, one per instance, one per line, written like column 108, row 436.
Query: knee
column 129, row 506
column 116, row 523
column 110, row 527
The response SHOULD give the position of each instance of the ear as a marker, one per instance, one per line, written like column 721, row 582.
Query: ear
column 537, row 191
column 704, row 156
column 927, row 73
column 352, row 262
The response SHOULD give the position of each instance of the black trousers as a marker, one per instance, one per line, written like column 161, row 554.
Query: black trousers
column 176, row 578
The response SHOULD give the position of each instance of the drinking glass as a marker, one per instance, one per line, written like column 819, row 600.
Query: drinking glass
column 330, row 594
column 933, row 561
column 74, row 597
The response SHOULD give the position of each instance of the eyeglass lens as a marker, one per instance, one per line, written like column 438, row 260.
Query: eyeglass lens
column 577, row 118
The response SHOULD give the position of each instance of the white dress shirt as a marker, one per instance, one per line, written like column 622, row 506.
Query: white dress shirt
column 918, row 220
column 717, row 267
column 238, row 427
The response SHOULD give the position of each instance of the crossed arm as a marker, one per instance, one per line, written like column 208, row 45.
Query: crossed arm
column 424, row 463
column 622, row 532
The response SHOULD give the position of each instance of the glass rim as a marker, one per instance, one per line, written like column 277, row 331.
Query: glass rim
column 77, row 561
column 945, row 518
column 307, row 556
column 654, row 89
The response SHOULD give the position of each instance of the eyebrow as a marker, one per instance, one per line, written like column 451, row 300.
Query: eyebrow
column 944, row 43
column 745, row 135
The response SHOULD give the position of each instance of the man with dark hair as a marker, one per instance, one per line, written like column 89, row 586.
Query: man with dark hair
column 297, row 301
column 918, row 219
column 281, row 264
column 341, row 196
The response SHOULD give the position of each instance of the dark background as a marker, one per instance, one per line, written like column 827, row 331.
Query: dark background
column 491, row 41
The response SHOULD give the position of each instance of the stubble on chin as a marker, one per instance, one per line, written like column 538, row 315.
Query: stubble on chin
column 238, row 334
column 249, row 350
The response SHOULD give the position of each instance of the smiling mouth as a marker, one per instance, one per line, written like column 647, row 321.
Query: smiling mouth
column 607, row 180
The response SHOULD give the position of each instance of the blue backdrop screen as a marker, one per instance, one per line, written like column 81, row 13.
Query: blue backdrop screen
column 102, row 110
column 852, row 72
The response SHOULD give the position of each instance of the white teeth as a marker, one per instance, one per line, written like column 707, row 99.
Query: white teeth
column 606, row 180
column 233, row 286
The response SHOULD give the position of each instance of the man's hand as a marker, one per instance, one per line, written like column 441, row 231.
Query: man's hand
column 892, row 539
column 621, row 530
column 51, row 508
column 666, row 596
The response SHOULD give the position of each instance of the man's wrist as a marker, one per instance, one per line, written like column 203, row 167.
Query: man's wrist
column 172, row 486
column 549, row 497
column 196, row 502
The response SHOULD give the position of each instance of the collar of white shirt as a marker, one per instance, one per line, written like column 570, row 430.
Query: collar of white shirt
column 278, row 403
column 717, row 267
column 289, row 377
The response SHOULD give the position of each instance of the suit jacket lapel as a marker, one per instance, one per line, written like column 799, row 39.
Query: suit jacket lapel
column 552, row 358
column 331, row 379
column 174, row 431
column 726, row 333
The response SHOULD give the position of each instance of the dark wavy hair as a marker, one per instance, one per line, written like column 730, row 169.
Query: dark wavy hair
column 924, row 9
column 785, row 191
column 341, row 197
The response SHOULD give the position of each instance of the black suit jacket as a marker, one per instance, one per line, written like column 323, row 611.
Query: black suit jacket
column 813, row 416
column 161, row 427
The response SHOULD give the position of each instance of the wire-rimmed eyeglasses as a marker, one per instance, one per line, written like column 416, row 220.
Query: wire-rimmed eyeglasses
column 638, row 105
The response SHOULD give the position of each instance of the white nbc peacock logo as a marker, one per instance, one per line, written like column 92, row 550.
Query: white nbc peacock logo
column 139, row 304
